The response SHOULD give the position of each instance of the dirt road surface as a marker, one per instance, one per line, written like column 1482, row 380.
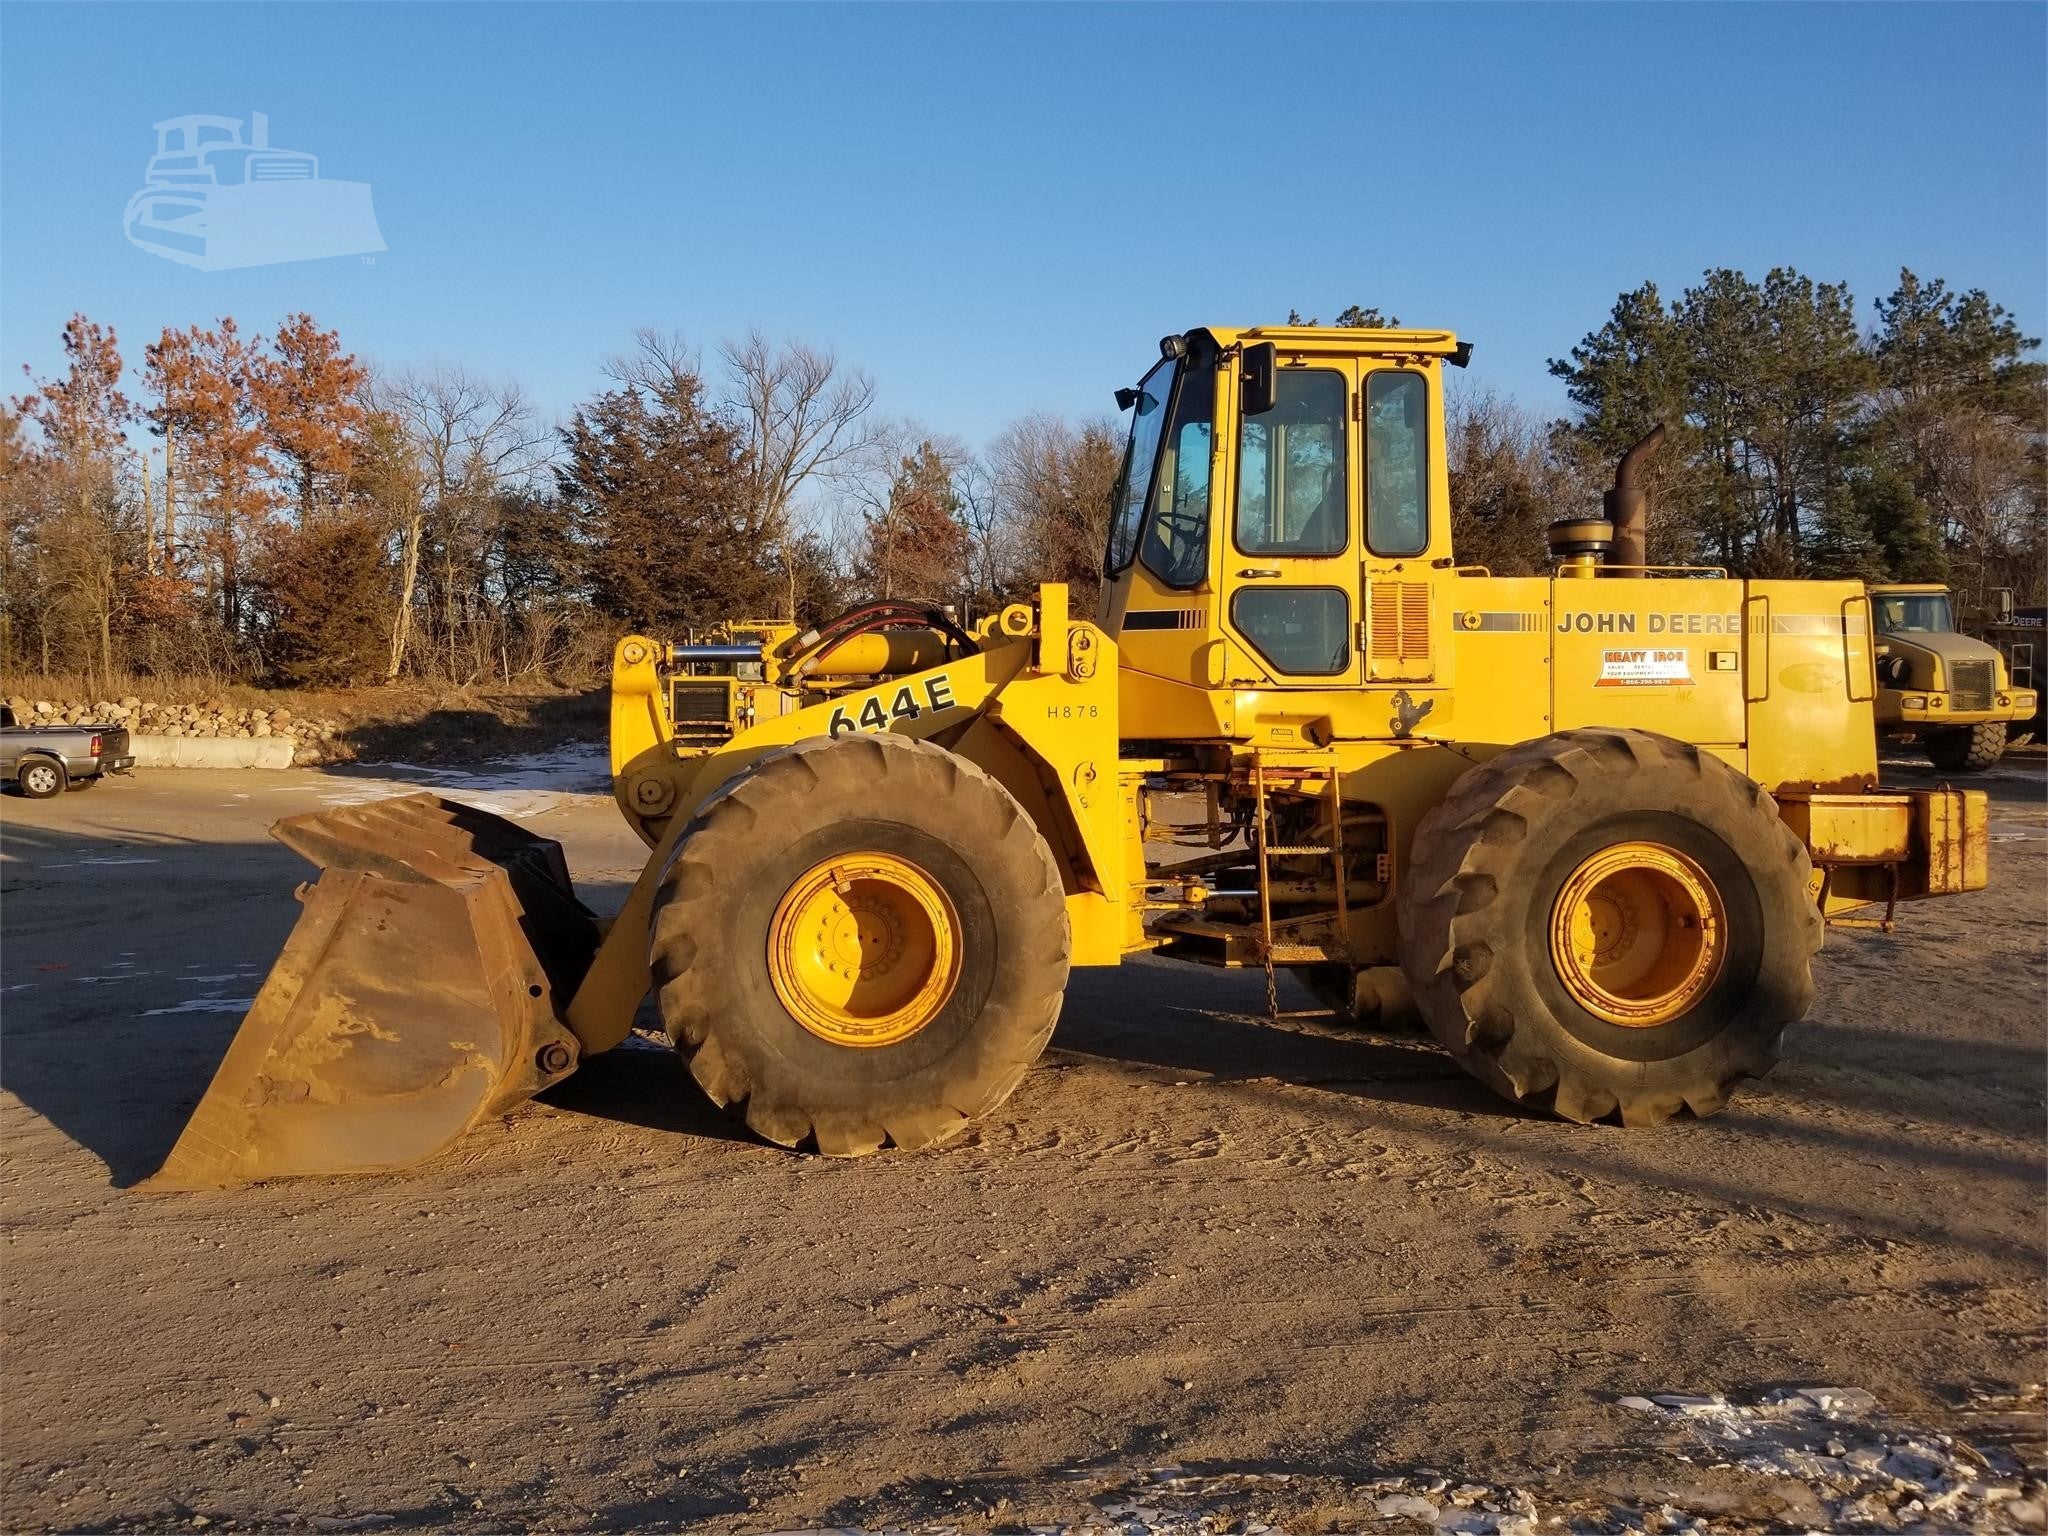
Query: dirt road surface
column 1303, row 1266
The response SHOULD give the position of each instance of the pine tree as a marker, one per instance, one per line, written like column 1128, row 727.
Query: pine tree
column 1957, row 421
column 657, row 491
column 215, row 442
column 307, row 392
column 1901, row 526
column 324, row 591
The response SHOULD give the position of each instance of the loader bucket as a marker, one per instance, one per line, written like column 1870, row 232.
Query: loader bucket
column 421, row 991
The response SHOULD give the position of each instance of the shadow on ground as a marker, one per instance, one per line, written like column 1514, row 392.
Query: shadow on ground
column 128, row 982
column 130, row 950
column 451, row 734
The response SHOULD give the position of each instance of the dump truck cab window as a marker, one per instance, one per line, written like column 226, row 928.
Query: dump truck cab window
column 1291, row 488
column 1148, row 419
column 1396, row 463
column 1913, row 612
column 1176, row 543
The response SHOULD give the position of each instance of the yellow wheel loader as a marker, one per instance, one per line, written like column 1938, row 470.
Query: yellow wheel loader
column 1592, row 823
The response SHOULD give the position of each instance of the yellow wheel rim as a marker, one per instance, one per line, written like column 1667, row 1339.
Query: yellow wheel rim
column 1638, row 934
column 864, row 950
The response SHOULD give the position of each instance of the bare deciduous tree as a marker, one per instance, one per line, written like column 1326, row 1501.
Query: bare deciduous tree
column 801, row 416
column 460, row 440
column 1507, row 487
column 82, row 526
column 1052, row 482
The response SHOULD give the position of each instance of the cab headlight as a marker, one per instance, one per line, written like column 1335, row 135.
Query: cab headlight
column 1915, row 701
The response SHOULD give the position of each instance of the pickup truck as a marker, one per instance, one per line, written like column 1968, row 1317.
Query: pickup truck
column 45, row 760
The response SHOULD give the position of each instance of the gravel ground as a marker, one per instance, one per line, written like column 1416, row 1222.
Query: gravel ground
column 1206, row 1271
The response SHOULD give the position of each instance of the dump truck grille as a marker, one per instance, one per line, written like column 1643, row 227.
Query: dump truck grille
column 1969, row 685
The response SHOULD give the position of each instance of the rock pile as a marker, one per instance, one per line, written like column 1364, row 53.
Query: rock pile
column 313, row 740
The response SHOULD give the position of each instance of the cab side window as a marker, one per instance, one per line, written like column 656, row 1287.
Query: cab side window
column 1291, row 487
column 1176, row 544
column 1396, row 463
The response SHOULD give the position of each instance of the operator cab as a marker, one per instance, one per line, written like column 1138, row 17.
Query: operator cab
column 1282, row 498
column 1912, row 612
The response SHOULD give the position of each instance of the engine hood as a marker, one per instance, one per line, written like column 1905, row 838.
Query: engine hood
column 1927, row 655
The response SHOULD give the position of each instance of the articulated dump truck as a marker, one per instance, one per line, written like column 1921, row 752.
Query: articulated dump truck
column 1591, row 826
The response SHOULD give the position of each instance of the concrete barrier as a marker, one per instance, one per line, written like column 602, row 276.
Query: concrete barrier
column 210, row 752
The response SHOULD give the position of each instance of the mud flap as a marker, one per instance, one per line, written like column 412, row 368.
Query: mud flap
column 421, row 991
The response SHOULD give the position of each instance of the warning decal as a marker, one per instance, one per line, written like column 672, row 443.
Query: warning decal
column 1648, row 668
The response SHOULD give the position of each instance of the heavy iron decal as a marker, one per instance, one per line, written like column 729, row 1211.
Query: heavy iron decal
column 1645, row 667
column 875, row 715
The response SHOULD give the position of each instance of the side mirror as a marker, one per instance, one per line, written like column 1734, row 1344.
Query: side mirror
column 2001, row 603
column 1259, row 378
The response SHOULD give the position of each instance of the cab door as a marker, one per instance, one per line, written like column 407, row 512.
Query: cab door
column 1402, row 629
column 1290, row 553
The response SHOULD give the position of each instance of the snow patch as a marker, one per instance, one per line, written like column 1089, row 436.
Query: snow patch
column 517, row 787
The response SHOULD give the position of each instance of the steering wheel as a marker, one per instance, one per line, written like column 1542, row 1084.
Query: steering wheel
column 1182, row 533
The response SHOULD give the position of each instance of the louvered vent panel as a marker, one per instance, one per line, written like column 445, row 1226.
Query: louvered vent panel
column 1399, row 630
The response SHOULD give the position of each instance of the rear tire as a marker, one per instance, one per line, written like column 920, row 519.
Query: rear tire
column 1967, row 748
column 894, row 1011
column 1609, row 922
column 41, row 778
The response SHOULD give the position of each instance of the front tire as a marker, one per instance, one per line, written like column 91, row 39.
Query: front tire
column 861, row 942
column 1609, row 922
column 41, row 778
column 1967, row 748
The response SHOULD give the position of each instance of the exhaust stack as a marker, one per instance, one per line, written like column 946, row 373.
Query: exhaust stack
column 1626, row 507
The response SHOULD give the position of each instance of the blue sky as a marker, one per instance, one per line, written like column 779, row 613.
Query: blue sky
column 998, row 209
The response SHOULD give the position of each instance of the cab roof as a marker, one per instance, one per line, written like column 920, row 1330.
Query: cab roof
column 1344, row 340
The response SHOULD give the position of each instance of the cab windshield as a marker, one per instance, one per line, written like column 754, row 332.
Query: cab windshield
column 1908, row 612
column 1148, row 418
